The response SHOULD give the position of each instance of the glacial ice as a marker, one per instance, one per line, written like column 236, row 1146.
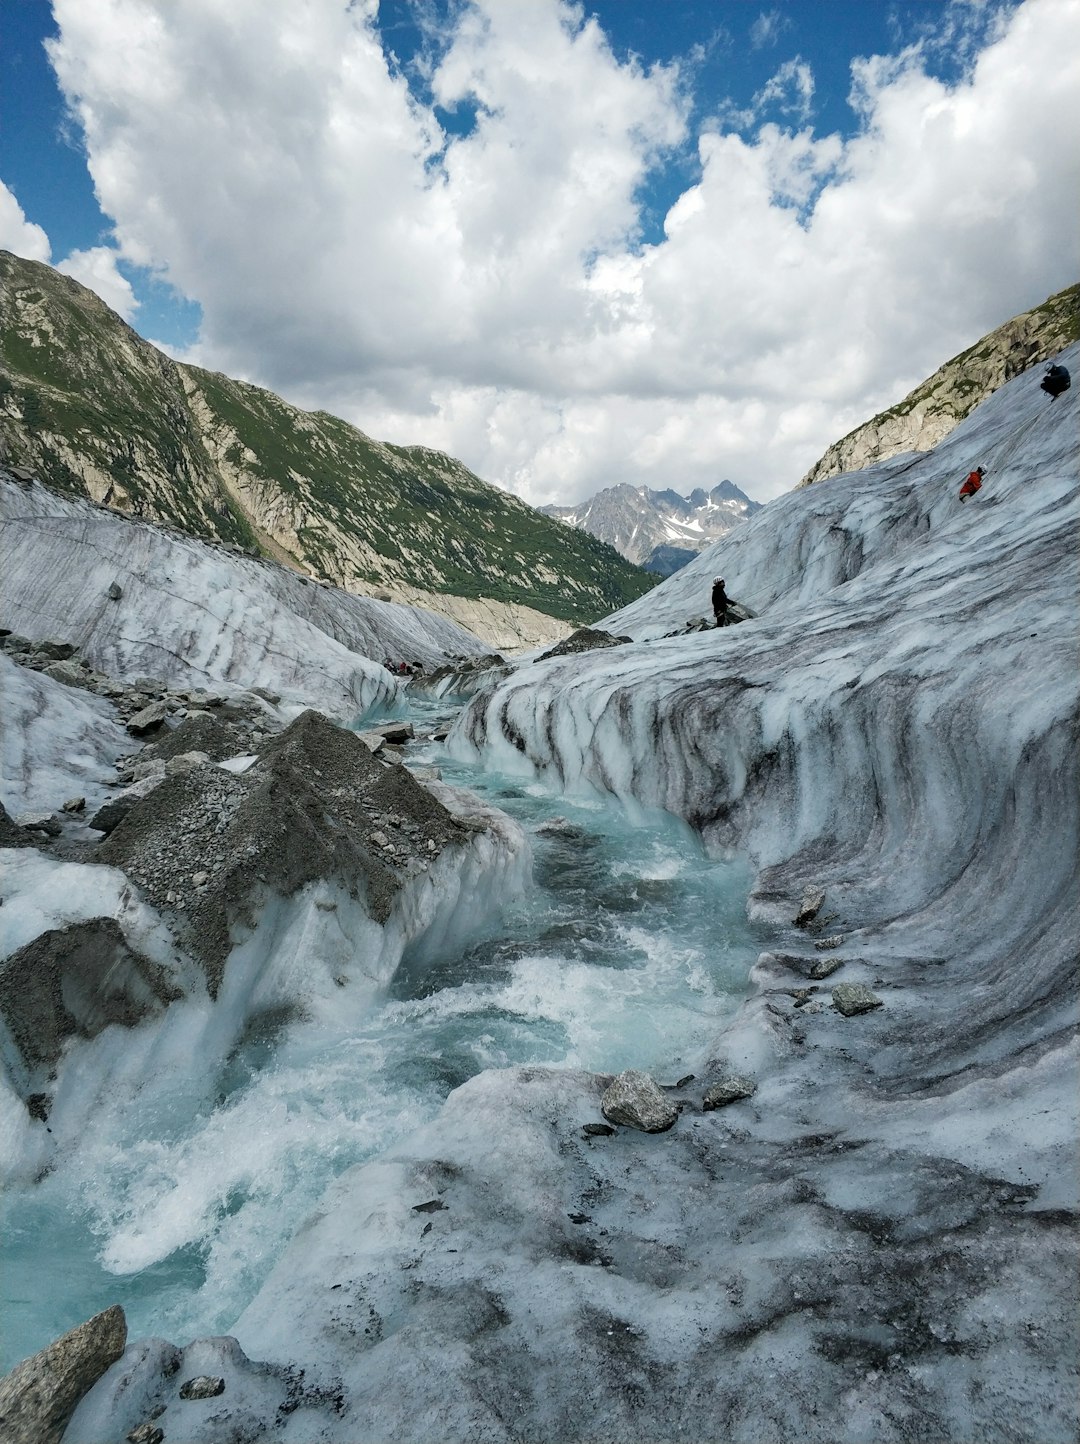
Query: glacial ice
column 193, row 614
column 879, row 1243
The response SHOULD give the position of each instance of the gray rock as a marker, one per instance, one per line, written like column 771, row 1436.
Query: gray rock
column 729, row 1090
column 185, row 762
column 266, row 694
column 75, row 804
column 812, row 902
column 46, row 822
column 635, row 1099
column 853, row 998
column 113, row 812
column 71, row 674
column 147, row 719
column 75, row 981
column 395, row 732
column 115, row 592
column 148, row 1433
column 148, row 768
column 203, row 1386
column 585, row 639
column 58, row 651
column 825, row 968
column 39, row 1396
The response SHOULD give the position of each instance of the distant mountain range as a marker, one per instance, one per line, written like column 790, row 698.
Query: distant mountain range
column 930, row 412
column 92, row 409
column 660, row 530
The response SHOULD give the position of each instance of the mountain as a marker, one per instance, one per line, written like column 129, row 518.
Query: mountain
column 92, row 409
column 930, row 412
column 660, row 530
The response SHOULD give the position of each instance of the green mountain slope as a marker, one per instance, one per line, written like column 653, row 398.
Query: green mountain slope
column 91, row 408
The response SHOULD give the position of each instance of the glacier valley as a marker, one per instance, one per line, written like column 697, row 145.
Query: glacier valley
column 338, row 1147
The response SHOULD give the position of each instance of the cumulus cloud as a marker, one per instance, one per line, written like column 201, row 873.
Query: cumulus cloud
column 485, row 288
column 97, row 269
column 17, row 234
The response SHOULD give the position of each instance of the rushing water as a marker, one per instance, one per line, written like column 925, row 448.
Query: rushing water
column 629, row 950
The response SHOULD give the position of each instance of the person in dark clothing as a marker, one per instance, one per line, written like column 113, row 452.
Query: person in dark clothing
column 1056, row 380
column 719, row 601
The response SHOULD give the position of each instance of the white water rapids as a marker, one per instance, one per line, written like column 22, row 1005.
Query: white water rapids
column 629, row 950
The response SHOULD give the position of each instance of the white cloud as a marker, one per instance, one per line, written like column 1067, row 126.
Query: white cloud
column 97, row 269
column 766, row 29
column 489, row 293
column 17, row 234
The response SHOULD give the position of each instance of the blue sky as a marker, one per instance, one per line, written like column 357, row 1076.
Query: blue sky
column 571, row 244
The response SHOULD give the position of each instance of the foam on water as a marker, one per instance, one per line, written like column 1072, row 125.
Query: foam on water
column 628, row 951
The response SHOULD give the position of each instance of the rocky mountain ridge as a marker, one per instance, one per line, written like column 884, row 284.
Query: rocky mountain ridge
column 659, row 530
column 94, row 410
column 932, row 410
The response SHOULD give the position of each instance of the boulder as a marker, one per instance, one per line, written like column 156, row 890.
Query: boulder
column 75, row 981
column 71, row 674
column 57, row 651
column 728, row 1090
column 46, row 822
column 813, row 901
column 636, row 1100
column 112, row 813
column 147, row 719
column 585, row 639
column 185, row 762
column 853, row 998
column 39, row 1396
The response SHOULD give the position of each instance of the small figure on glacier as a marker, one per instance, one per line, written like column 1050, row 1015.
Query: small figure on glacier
column 720, row 601
column 973, row 483
column 1056, row 380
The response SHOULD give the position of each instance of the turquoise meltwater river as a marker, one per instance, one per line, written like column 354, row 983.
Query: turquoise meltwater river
column 629, row 950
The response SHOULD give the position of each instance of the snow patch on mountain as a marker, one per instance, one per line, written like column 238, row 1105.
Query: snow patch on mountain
column 660, row 530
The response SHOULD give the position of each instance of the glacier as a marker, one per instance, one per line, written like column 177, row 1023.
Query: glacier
column 879, row 1243
column 194, row 613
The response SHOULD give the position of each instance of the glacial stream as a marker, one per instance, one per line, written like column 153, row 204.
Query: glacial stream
column 629, row 951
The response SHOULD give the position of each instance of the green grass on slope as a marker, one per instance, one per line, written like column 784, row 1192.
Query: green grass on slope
column 432, row 523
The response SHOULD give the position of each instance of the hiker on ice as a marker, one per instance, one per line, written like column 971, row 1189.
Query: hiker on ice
column 1056, row 380
column 973, row 483
column 720, row 601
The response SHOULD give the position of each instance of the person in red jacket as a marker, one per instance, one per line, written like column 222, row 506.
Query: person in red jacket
column 973, row 483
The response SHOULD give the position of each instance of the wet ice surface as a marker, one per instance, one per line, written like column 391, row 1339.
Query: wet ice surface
column 176, row 1200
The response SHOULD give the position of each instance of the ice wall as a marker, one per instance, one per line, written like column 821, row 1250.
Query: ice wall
column 190, row 613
